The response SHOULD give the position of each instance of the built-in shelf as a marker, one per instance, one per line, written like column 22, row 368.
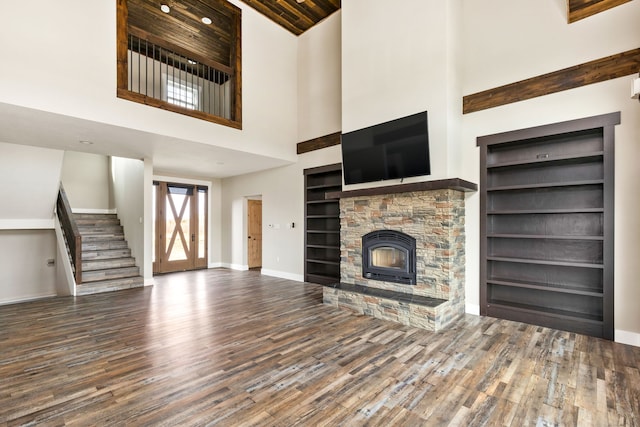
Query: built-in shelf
column 543, row 211
column 322, row 224
column 545, row 262
column 321, row 246
column 559, row 288
column 323, row 261
column 563, row 159
column 537, row 310
column 544, row 237
column 546, row 185
column 547, row 225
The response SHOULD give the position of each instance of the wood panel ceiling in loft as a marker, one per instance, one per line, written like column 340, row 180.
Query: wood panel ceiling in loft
column 183, row 26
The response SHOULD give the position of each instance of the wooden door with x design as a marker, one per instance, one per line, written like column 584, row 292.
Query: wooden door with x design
column 180, row 227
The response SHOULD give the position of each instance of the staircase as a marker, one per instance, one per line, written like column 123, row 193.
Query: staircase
column 107, row 264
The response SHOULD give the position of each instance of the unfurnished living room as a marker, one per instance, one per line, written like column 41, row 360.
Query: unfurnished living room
column 320, row 212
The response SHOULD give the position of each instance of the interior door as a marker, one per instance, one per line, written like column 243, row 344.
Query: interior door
column 180, row 227
column 254, row 232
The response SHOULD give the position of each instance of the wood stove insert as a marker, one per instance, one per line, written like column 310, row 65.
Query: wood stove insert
column 389, row 255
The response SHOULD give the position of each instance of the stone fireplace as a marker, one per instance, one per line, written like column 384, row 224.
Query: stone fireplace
column 383, row 223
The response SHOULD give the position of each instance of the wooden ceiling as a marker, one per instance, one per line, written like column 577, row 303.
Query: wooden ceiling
column 183, row 29
column 295, row 17
column 580, row 9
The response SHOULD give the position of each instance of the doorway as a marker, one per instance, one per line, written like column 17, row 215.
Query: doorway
column 180, row 227
column 254, row 233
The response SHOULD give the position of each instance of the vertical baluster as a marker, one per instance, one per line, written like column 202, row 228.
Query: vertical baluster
column 220, row 111
column 130, row 63
column 153, row 71
column 139, row 68
column 160, row 62
column 173, row 74
column 209, row 85
column 225, row 110
column 146, row 67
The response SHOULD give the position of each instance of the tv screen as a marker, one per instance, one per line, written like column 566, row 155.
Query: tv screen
column 391, row 150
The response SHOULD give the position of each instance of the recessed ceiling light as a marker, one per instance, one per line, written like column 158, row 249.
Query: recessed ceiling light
column 165, row 8
column 300, row 1
column 191, row 61
column 206, row 20
column 85, row 142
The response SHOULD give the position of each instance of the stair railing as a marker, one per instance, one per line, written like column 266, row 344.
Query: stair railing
column 71, row 233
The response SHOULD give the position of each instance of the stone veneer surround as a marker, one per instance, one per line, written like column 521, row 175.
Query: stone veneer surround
column 435, row 218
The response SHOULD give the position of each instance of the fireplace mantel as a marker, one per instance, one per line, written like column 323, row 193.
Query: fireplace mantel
column 441, row 184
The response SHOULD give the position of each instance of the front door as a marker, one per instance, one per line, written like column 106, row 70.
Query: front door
column 254, row 232
column 180, row 227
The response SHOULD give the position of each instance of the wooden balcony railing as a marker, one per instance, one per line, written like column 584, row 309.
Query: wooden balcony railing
column 165, row 76
column 71, row 233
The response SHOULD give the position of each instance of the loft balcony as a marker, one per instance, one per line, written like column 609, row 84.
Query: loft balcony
column 175, row 62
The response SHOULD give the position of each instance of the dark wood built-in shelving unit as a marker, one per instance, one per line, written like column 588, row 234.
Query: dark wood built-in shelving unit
column 322, row 224
column 546, row 243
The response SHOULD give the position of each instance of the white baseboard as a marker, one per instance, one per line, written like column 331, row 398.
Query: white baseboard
column 235, row 266
column 27, row 224
column 215, row 265
column 148, row 282
column 26, row 299
column 472, row 309
column 626, row 337
column 282, row 275
column 93, row 211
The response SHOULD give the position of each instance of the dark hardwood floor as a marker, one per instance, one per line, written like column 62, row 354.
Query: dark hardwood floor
column 236, row 348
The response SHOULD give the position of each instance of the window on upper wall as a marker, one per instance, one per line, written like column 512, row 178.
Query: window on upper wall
column 181, row 93
column 182, row 56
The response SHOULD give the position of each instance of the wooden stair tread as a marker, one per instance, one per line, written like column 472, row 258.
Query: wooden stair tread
column 104, row 244
column 102, row 254
column 110, row 285
column 104, row 264
column 109, row 273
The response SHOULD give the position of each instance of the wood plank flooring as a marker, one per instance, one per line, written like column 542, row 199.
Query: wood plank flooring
column 221, row 347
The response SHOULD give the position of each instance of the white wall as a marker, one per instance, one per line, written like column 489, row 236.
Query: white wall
column 396, row 67
column 130, row 181
column 319, row 80
column 531, row 38
column 86, row 180
column 76, row 44
column 30, row 178
column 24, row 273
column 281, row 190
column 282, row 195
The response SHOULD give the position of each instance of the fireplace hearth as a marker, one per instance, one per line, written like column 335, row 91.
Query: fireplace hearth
column 389, row 255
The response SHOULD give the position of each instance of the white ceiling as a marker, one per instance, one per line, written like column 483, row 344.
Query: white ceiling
column 170, row 156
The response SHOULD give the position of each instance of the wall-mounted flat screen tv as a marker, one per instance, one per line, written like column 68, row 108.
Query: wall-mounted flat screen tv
column 391, row 150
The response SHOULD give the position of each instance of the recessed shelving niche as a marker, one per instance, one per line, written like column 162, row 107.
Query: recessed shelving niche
column 547, row 225
column 322, row 224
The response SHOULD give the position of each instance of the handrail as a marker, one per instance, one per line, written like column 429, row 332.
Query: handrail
column 71, row 232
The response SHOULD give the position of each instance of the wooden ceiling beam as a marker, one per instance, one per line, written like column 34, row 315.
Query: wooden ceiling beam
column 580, row 9
column 607, row 68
